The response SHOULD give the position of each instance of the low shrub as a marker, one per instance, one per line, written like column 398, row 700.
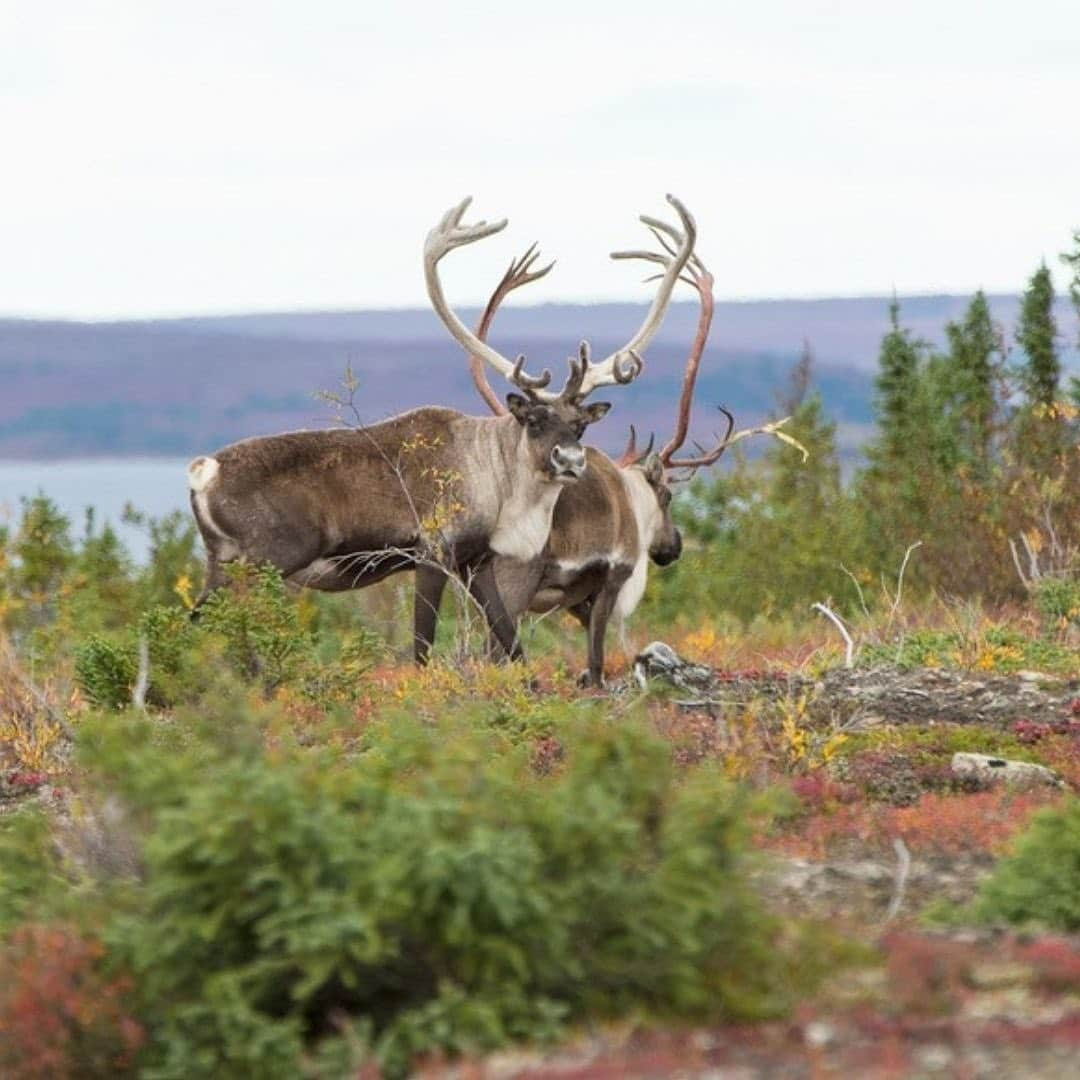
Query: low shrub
column 436, row 889
column 253, row 626
column 1039, row 882
column 61, row 1016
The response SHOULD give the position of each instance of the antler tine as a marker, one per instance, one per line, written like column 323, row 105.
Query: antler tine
column 705, row 457
column 519, row 377
column 771, row 428
column 579, row 366
column 629, row 455
column 632, row 455
column 448, row 234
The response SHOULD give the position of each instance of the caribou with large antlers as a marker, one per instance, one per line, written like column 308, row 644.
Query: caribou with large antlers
column 606, row 528
column 342, row 509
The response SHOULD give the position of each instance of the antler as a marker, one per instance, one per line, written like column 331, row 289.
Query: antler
column 631, row 455
column 708, row 457
column 692, row 272
column 625, row 364
column 705, row 457
column 519, row 273
column 444, row 237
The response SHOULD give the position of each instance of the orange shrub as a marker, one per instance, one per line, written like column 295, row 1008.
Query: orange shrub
column 60, row 1018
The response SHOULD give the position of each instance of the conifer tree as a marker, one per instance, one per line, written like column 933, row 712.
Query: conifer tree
column 1072, row 260
column 1037, row 336
column 973, row 344
column 896, row 388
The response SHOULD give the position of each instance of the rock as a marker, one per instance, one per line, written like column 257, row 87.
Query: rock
column 988, row 767
column 818, row 1033
column 1000, row 974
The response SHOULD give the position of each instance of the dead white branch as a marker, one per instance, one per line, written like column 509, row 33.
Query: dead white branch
column 903, row 867
column 849, row 655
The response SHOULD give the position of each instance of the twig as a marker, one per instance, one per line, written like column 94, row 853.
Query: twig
column 849, row 655
column 1033, row 557
column 903, row 866
column 900, row 579
column 1025, row 581
column 858, row 589
column 55, row 716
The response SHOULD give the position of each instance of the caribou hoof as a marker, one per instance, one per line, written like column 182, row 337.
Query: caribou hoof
column 586, row 681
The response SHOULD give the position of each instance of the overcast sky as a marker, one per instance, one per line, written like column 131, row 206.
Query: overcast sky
column 167, row 158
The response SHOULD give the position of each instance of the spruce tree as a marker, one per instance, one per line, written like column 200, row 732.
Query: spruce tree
column 973, row 344
column 896, row 388
column 1072, row 260
column 1036, row 334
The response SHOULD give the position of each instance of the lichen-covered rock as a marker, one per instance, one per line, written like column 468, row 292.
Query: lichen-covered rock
column 989, row 767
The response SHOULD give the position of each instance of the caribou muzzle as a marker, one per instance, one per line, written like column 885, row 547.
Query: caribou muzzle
column 567, row 463
column 665, row 554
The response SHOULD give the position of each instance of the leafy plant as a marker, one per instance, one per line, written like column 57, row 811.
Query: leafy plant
column 436, row 888
column 61, row 1016
column 1039, row 882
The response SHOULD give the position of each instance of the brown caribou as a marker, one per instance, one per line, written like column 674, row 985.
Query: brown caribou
column 607, row 527
column 342, row 509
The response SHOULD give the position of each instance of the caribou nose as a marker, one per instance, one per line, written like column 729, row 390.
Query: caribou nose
column 568, row 461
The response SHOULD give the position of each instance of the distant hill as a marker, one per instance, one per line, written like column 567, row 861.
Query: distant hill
column 181, row 386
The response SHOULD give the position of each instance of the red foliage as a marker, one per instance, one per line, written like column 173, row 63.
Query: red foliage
column 817, row 792
column 60, row 1017
column 1057, row 961
column 926, row 975
column 694, row 737
column 28, row 780
column 546, row 755
column 1031, row 731
column 945, row 823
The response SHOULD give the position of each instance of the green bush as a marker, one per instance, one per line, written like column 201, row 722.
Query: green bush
column 252, row 627
column 1058, row 600
column 1039, row 883
column 106, row 671
column 433, row 889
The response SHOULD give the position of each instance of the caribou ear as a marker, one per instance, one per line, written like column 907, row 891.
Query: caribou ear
column 653, row 468
column 519, row 407
column 596, row 411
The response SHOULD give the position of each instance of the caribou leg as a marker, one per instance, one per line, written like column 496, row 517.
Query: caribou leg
column 598, row 610
column 483, row 587
column 427, row 595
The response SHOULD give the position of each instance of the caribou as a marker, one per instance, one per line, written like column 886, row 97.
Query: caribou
column 342, row 509
column 608, row 526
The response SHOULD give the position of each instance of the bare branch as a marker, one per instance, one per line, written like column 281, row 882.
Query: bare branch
column 849, row 654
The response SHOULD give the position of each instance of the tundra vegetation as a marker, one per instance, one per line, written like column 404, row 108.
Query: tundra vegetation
column 265, row 844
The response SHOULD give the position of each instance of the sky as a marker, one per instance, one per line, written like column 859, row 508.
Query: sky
column 175, row 158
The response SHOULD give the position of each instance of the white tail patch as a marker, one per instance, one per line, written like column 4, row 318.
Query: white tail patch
column 201, row 473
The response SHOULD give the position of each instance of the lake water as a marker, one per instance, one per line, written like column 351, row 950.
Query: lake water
column 154, row 486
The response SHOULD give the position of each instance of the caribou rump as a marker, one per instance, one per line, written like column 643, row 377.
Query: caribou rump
column 342, row 509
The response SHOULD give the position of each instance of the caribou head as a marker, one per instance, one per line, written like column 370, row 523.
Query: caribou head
column 660, row 471
column 552, row 423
